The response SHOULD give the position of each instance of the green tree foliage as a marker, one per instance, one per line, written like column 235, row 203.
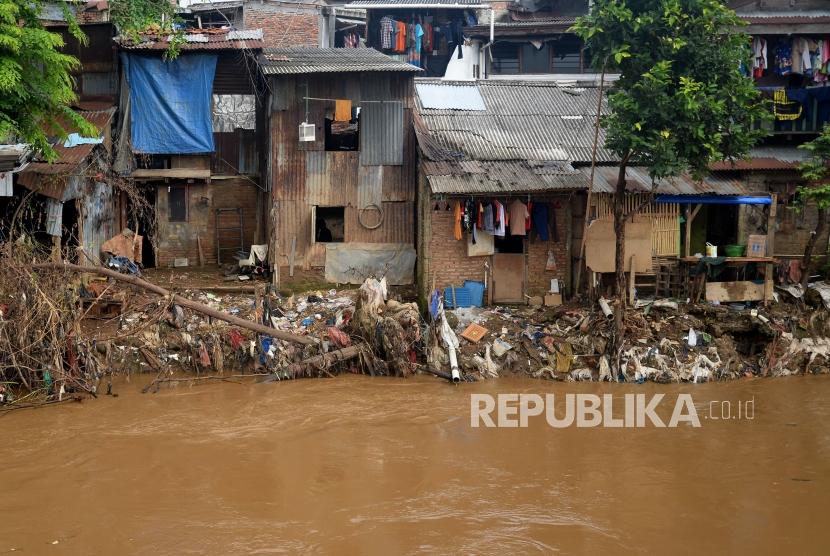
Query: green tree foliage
column 36, row 87
column 816, row 172
column 681, row 101
column 153, row 17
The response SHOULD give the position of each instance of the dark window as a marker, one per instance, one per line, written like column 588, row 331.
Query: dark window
column 535, row 60
column 567, row 55
column 329, row 224
column 177, row 201
column 344, row 136
column 505, row 59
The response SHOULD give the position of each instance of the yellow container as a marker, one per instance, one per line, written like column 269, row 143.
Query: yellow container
column 711, row 250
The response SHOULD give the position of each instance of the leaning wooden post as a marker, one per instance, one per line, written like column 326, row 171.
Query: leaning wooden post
column 273, row 251
column 769, row 267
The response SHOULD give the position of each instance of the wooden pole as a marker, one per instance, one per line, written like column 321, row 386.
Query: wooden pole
column 631, row 279
column 580, row 262
column 273, row 252
column 183, row 301
column 768, row 268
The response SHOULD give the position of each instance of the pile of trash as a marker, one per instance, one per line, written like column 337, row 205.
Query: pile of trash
column 665, row 341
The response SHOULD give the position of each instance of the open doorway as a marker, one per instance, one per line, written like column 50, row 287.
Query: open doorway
column 141, row 219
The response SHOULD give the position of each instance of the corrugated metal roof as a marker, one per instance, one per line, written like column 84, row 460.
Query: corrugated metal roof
column 299, row 60
column 419, row 3
column 536, row 121
column 638, row 181
column 208, row 6
column 478, row 177
column 449, row 97
column 202, row 39
column 766, row 158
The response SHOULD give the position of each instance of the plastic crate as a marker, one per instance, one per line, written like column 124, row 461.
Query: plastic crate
column 463, row 298
column 476, row 292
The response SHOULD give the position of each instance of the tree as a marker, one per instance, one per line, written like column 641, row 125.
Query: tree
column 155, row 17
column 815, row 170
column 681, row 101
column 36, row 87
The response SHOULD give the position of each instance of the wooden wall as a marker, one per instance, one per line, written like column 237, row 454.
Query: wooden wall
column 304, row 175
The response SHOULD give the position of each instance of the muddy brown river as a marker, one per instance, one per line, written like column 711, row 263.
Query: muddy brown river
column 357, row 465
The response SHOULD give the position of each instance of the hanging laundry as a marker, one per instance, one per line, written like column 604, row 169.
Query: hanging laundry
column 489, row 221
column 518, row 214
column 480, row 216
column 540, row 220
column 759, row 57
column 500, row 219
column 457, row 212
column 415, row 52
column 801, row 62
column 527, row 220
column 386, row 29
column 783, row 59
column 400, row 37
column 342, row 110
column 469, row 215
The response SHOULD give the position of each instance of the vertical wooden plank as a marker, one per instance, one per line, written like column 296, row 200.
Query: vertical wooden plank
column 631, row 278
column 768, row 269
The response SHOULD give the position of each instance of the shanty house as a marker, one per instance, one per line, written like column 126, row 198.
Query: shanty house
column 188, row 134
column 341, row 161
column 522, row 151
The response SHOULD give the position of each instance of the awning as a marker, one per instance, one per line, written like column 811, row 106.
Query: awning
column 713, row 199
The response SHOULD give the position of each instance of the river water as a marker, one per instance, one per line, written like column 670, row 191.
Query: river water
column 358, row 465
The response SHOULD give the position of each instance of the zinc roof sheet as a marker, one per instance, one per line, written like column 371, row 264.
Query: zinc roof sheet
column 205, row 39
column 638, row 181
column 300, row 60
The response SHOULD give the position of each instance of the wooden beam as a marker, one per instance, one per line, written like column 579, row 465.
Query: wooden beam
column 631, row 279
column 734, row 291
column 179, row 173
column 690, row 216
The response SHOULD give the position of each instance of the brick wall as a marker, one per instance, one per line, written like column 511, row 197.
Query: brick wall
column 793, row 224
column 179, row 239
column 449, row 263
column 284, row 23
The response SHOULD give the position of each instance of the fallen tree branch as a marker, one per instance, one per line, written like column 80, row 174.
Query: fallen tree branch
column 179, row 300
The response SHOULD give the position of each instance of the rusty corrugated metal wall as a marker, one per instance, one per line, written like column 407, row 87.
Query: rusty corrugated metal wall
column 304, row 175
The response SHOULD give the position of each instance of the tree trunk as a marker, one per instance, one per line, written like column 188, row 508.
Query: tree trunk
column 807, row 261
column 619, row 269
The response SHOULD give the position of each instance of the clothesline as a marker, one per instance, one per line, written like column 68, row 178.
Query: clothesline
column 356, row 102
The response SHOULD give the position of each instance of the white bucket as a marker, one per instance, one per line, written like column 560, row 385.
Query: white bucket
column 711, row 250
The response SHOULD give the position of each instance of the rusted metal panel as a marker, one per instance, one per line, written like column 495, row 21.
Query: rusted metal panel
column 97, row 220
column 369, row 186
column 399, row 181
column 343, row 170
column 317, row 178
column 381, row 133
column 398, row 224
column 288, row 165
column 294, row 221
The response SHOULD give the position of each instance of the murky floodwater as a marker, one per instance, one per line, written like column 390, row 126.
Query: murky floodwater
column 357, row 465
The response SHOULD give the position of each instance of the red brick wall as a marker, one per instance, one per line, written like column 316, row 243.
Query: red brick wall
column 449, row 264
column 284, row 23
column 179, row 239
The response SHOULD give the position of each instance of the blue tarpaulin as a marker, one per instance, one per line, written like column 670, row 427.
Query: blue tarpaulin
column 713, row 199
column 171, row 103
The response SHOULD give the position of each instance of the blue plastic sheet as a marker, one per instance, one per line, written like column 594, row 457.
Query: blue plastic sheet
column 171, row 103
column 713, row 199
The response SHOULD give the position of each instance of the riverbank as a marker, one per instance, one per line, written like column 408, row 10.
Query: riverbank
column 377, row 466
column 67, row 331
